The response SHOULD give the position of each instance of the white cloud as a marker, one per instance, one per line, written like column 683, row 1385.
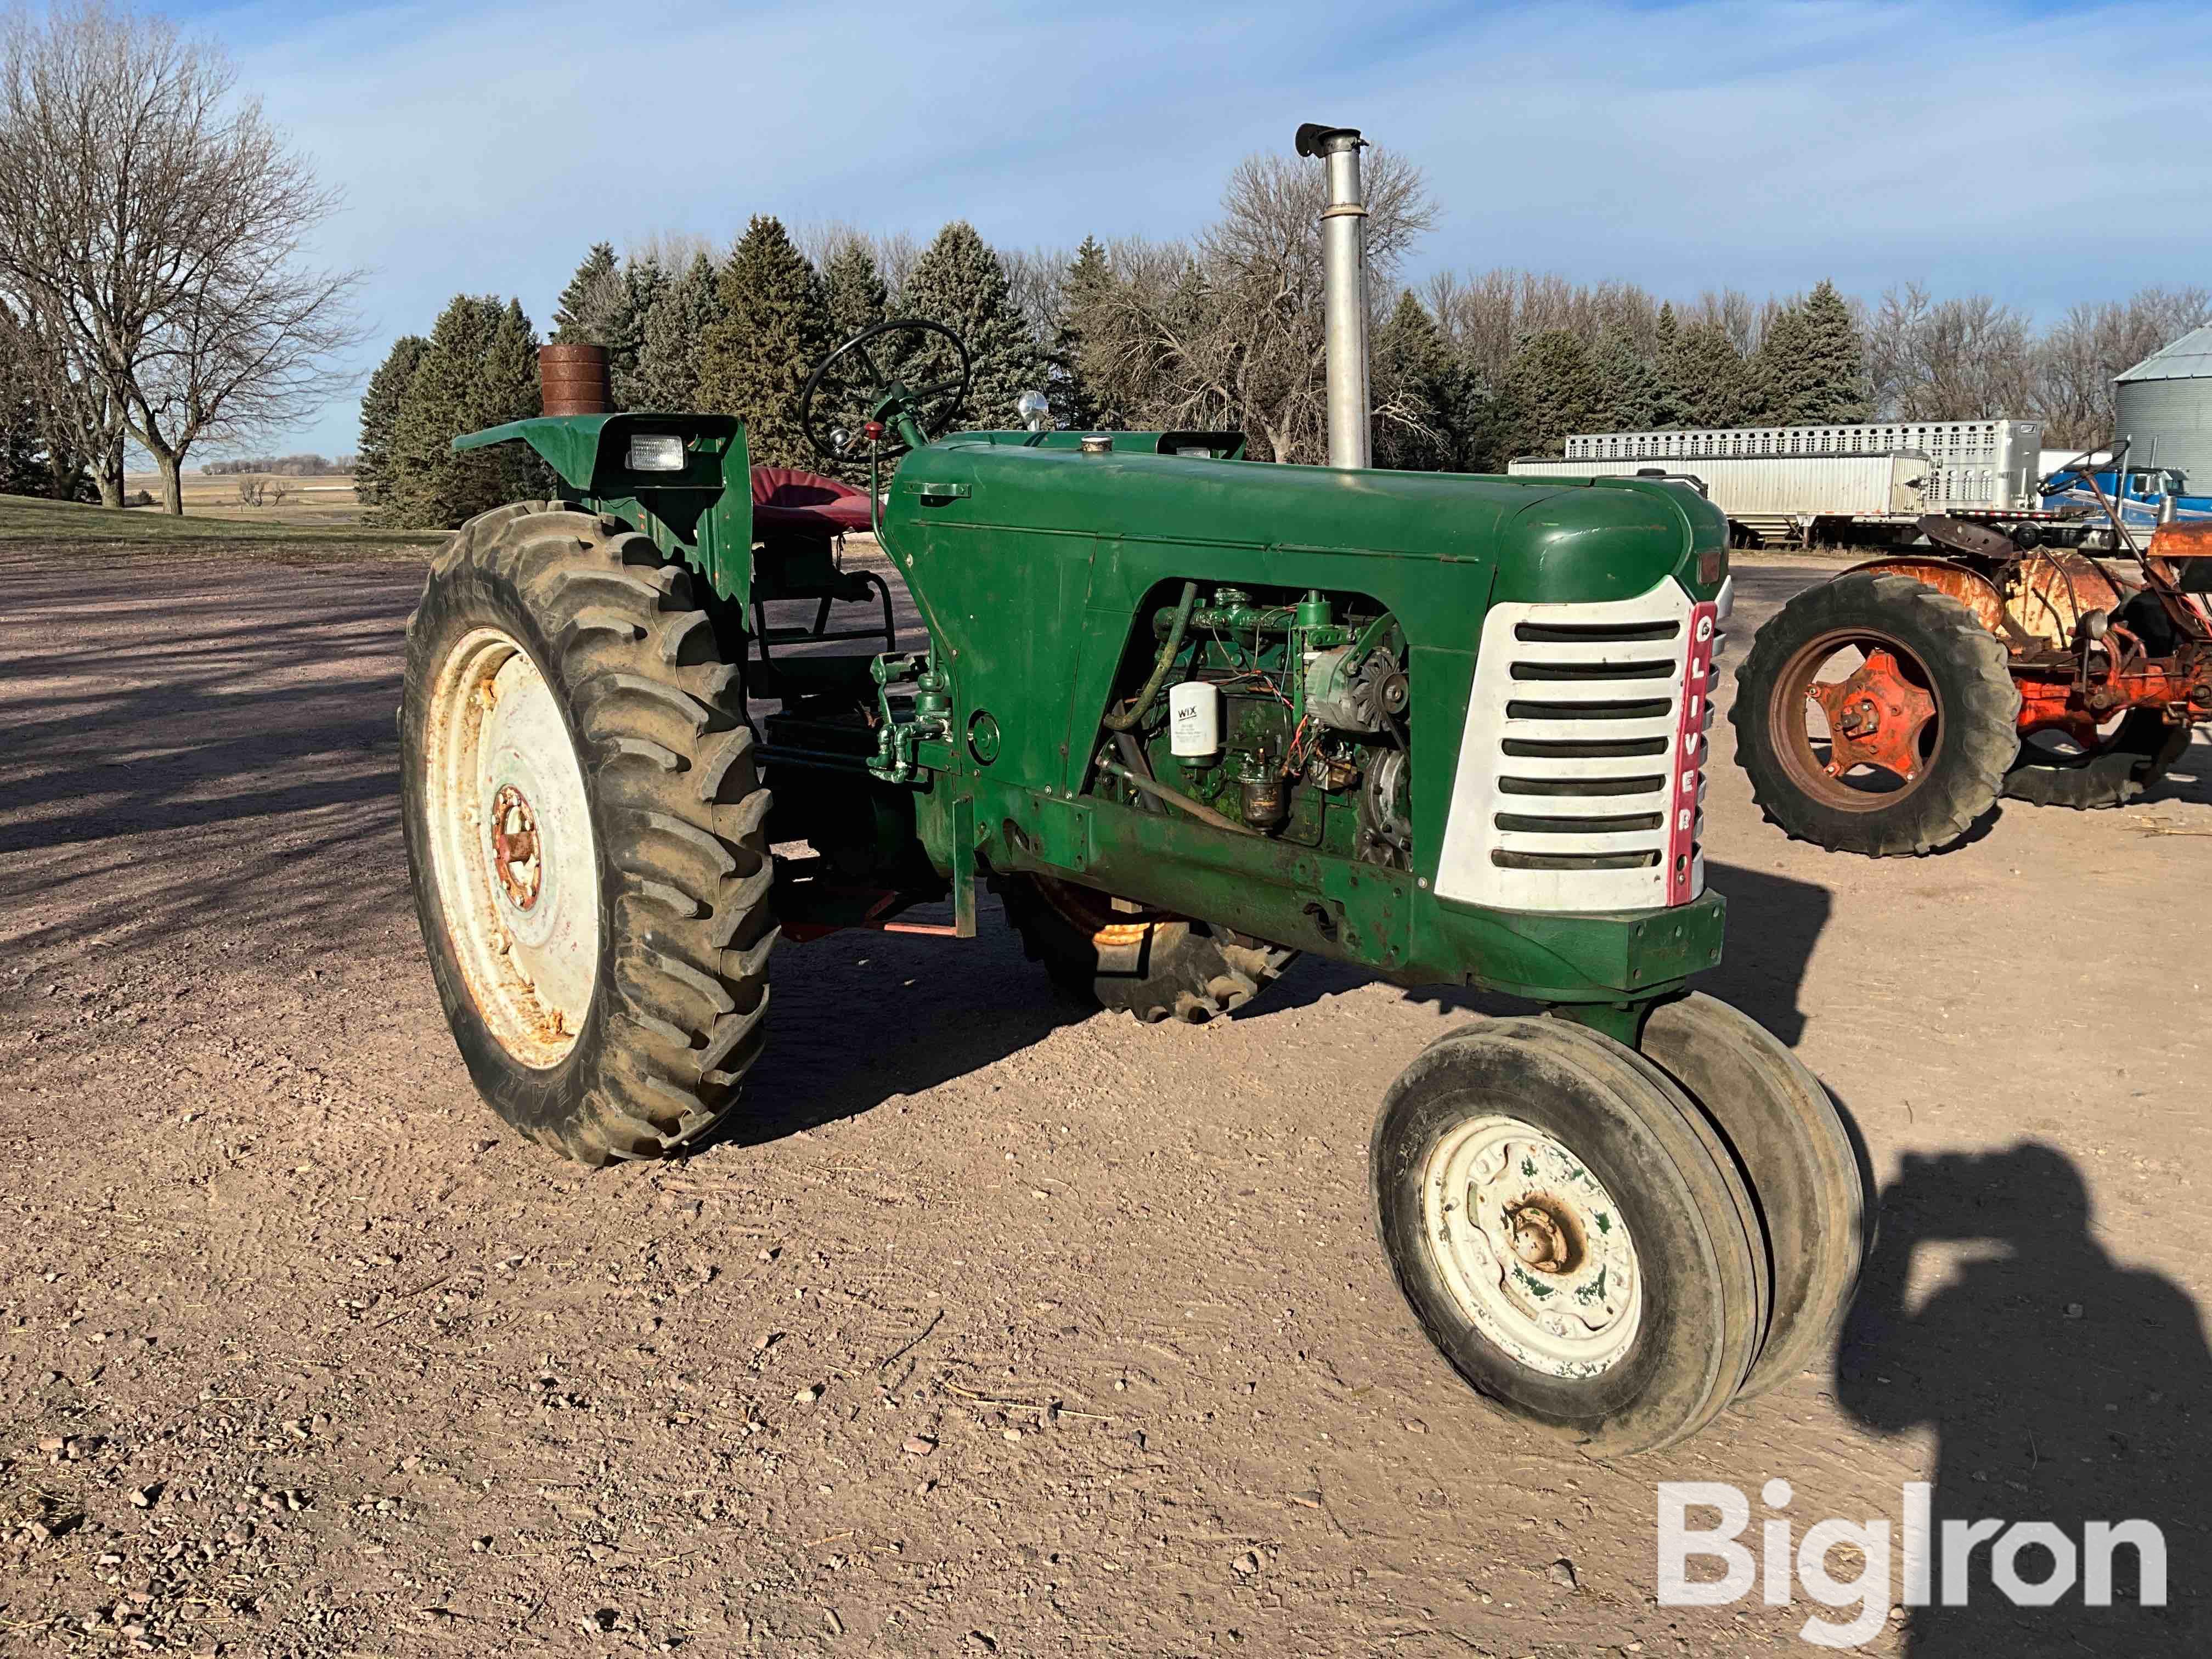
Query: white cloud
column 2043, row 157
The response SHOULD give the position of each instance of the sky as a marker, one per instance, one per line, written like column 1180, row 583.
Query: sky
column 2044, row 153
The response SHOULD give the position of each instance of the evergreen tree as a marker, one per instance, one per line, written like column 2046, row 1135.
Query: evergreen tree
column 380, row 415
column 579, row 314
column 755, row 360
column 1077, row 381
column 1553, row 383
column 23, row 468
column 1628, row 387
column 1774, row 365
column 1812, row 366
column 479, row 369
column 1670, row 408
column 855, row 291
column 1714, row 381
column 644, row 283
column 858, row 299
column 673, row 336
column 1424, row 402
column 959, row 282
column 605, row 304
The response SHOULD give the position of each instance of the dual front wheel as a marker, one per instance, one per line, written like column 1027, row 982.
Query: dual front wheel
column 1614, row 1244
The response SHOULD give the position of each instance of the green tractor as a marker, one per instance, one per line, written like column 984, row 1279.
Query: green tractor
column 1189, row 715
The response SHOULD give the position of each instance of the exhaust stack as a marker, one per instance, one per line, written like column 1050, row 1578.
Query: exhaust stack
column 574, row 380
column 1344, row 285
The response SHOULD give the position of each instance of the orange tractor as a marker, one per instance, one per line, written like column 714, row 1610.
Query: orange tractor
column 1885, row 712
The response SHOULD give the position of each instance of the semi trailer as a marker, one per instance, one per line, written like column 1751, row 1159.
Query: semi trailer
column 1789, row 485
column 1768, row 498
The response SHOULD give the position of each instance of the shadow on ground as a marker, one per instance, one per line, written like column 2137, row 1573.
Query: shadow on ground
column 2065, row 1391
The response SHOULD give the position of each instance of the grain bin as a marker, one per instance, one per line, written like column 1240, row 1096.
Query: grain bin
column 2166, row 410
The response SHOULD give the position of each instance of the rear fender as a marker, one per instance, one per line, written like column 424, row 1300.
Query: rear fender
column 1962, row 582
column 2056, row 590
column 702, row 513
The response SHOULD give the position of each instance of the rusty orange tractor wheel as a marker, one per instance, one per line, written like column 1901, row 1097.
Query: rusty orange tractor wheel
column 1142, row 961
column 1874, row 714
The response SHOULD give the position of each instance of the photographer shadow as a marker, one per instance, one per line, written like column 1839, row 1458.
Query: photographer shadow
column 2063, row 1388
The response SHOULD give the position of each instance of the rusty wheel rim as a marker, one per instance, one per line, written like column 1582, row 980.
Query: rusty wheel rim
column 512, row 846
column 1092, row 915
column 1855, row 735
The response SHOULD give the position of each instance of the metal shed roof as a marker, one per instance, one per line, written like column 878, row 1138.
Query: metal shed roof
column 2189, row 358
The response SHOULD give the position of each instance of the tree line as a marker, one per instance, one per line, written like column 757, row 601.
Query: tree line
column 308, row 466
column 152, row 290
column 1224, row 330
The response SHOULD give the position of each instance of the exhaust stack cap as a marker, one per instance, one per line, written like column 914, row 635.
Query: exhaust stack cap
column 1313, row 138
column 1344, row 290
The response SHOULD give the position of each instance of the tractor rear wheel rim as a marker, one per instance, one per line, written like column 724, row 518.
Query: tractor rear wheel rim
column 1884, row 720
column 1532, row 1247
column 512, row 847
column 1093, row 914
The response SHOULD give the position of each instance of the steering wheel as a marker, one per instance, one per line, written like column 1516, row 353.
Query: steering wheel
column 907, row 416
column 2085, row 465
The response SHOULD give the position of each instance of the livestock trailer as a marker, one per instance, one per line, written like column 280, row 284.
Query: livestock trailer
column 1793, row 498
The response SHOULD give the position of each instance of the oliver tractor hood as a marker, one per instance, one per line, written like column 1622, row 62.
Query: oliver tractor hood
column 1550, row 541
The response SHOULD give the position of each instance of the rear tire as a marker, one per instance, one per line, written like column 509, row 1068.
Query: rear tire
column 584, row 827
column 1952, row 658
column 1642, row 1229
column 1144, row 963
column 2137, row 756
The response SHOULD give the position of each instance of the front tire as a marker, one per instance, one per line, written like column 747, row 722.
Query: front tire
column 583, row 828
column 1797, row 1159
column 1902, row 757
column 1570, row 1232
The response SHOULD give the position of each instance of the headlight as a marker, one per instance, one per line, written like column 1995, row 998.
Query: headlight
column 656, row 452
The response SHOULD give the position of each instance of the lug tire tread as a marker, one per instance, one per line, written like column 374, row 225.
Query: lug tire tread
column 1976, row 744
column 2139, row 755
column 678, row 807
column 1190, row 974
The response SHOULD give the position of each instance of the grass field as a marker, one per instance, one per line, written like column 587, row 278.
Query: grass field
column 327, row 500
column 29, row 518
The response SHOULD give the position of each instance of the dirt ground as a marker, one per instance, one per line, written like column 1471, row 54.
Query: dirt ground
column 999, row 1328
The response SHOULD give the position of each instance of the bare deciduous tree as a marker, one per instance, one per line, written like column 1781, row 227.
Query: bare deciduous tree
column 1228, row 333
column 1492, row 315
column 1963, row 359
column 893, row 252
column 156, row 223
column 2093, row 343
column 1033, row 282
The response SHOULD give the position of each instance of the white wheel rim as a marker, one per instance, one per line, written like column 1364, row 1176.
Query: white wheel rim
column 1532, row 1248
column 511, row 845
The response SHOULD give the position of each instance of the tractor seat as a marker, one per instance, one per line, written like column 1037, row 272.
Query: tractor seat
column 799, row 519
column 787, row 499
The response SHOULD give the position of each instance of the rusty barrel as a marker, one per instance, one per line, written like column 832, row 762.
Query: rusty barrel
column 573, row 380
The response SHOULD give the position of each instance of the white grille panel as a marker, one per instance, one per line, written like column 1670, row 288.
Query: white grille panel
column 1574, row 757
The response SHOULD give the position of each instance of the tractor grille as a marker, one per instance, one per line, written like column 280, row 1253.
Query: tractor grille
column 1581, row 769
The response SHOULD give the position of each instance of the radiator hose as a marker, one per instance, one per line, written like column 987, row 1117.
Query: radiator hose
column 1163, row 668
